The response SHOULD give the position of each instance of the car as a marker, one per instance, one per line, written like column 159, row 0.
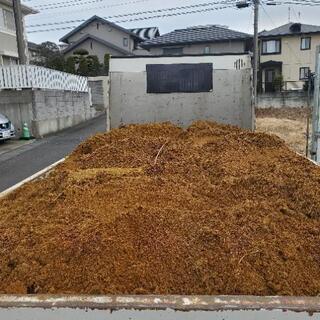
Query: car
column 7, row 130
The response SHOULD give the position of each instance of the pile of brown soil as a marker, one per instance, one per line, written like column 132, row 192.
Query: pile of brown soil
column 155, row 209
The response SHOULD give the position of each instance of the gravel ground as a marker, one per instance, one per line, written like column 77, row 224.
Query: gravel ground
column 290, row 124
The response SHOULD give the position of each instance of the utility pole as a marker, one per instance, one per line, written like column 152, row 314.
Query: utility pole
column 256, row 52
column 315, row 154
column 245, row 4
column 19, row 31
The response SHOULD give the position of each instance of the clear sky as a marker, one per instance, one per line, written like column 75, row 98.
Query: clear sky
column 242, row 20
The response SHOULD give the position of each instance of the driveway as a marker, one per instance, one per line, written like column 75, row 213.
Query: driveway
column 20, row 163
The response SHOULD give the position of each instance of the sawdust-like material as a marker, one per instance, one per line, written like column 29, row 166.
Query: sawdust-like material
column 154, row 209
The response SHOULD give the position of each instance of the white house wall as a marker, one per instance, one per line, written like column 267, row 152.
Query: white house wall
column 104, row 32
column 218, row 47
column 8, row 42
column 97, row 49
column 293, row 58
column 139, row 64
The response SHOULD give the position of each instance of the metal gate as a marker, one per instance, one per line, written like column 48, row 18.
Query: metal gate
column 315, row 148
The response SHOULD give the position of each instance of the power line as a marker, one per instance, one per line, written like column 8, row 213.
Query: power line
column 135, row 13
column 146, row 18
column 297, row 2
column 67, row 4
column 86, row 9
column 64, row 4
column 74, row 2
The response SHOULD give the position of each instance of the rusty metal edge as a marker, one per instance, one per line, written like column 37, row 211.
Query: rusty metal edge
column 174, row 302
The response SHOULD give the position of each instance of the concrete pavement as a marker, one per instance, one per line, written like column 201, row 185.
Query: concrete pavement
column 19, row 164
column 10, row 145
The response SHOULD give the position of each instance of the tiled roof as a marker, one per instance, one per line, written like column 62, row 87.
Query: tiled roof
column 102, row 20
column 288, row 30
column 199, row 34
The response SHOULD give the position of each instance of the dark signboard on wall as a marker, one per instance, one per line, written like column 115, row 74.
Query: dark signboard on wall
column 185, row 77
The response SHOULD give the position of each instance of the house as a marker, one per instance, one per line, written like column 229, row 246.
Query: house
column 200, row 40
column 99, row 36
column 8, row 40
column 287, row 54
column 34, row 52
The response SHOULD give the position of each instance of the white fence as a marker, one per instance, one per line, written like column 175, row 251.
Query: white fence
column 34, row 77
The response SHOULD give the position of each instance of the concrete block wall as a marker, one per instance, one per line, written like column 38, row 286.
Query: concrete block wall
column 17, row 105
column 100, row 87
column 55, row 110
column 47, row 111
column 288, row 99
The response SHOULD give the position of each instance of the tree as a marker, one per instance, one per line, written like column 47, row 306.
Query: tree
column 106, row 65
column 81, row 52
column 70, row 65
column 83, row 69
column 50, row 56
column 94, row 66
column 84, row 64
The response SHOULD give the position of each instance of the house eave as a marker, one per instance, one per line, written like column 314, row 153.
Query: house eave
column 174, row 44
column 90, row 20
column 298, row 34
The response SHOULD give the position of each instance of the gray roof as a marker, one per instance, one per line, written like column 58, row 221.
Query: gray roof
column 96, row 18
column 89, row 36
column 286, row 30
column 200, row 34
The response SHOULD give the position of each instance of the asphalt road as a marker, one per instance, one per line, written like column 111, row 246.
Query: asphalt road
column 27, row 160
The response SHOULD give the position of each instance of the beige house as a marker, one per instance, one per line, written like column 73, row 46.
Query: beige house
column 288, row 51
column 199, row 40
column 99, row 36
column 8, row 40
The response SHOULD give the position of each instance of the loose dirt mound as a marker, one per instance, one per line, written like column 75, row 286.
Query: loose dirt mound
column 155, row 209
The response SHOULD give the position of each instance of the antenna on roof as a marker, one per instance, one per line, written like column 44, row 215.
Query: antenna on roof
column 289, row 14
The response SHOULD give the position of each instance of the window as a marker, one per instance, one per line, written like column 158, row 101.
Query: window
column 125, row 42
column 306, row 43
column 207, row 50
column 172, row 51
column 271, row 46
column 304, row 73
column 7, row 20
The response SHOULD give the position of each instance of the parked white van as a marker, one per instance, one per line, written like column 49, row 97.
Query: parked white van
column 7, row 130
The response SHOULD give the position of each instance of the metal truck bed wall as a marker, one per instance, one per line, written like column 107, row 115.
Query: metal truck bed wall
column 158, row 307
column 67, row 307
